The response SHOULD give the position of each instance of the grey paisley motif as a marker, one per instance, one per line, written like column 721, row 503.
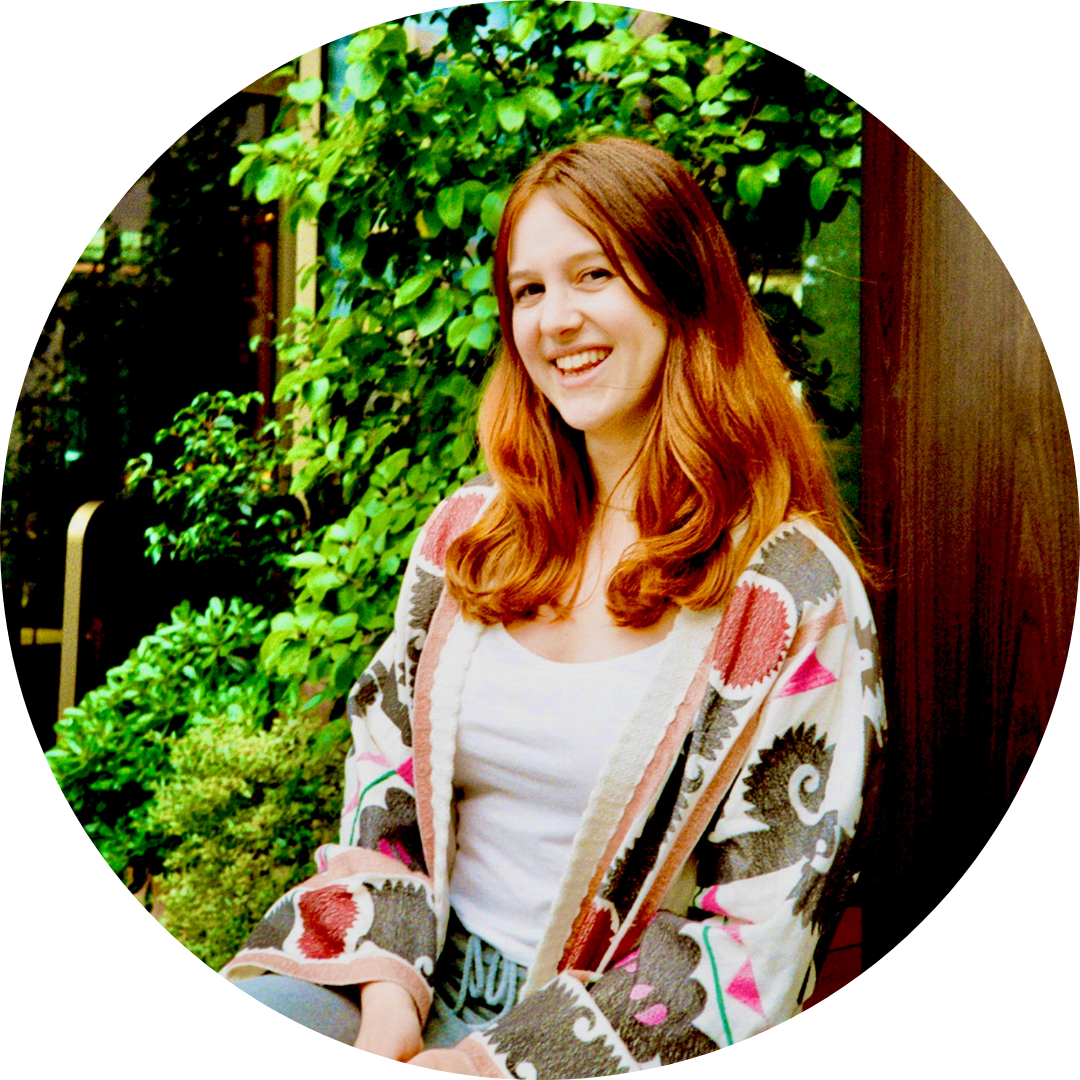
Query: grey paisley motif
column 796, row 765
column 715, row 722
column 664, row 965
column 633, row 866
column 275, row 927
column 378, row 680
column 483, row 480
column 538, row 1033
column 800, row 566
column 868, row 639
column 395, row 827
column 403, row 923
column 424, row 598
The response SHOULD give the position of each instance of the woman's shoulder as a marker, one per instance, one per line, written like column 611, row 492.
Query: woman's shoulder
column 808, row 563
column 451, row 517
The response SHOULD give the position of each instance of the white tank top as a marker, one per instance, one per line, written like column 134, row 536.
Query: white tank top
column 533, row 737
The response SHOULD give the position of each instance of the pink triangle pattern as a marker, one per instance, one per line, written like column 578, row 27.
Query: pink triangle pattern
column 743, row 988
column 708, row 901
column 810, row 675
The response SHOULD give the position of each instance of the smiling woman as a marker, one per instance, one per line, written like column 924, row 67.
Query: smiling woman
column 602, row 803
column 590, row 346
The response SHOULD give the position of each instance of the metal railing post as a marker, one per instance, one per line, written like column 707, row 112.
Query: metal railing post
column 73, row 570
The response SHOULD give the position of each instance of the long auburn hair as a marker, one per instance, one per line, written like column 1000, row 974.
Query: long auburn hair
column 728, row 444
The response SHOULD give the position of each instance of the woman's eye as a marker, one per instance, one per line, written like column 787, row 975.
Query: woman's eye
column 597, row 273
column 527, row 291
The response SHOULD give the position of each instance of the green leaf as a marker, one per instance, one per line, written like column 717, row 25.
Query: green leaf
column 271, row 183
column 460, row 329
column 822, row 184
column 522, row 28
column 365, row 43
column 735, row 63
column 511, row 114
column 477, row 278
column 294, row 658
column 750, row 185
column 236, row 173
column 601, row 56
column 851, row 158
column 811, row 156
column 491, row 210
column 851, row 125
column 777, row 114
column 481, row 337
column 710, row 87
column 387, row 471
column 363, row 80
column 436, row 313
column 413, row 288
column 542, row 104
column 754, row 139
column 315, row 194
column 343, row 626
column 450, row 205
column 306, row 92
column 306, row 560
column 428, row 224
column 770, row 171
column 678, row 89
column 584, row 16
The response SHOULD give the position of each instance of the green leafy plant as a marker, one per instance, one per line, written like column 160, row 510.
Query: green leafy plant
column 243, row 809
column 220, row 494
column 407, row 179
column 114, row 746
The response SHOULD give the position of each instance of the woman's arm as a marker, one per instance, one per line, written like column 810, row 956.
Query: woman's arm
column 389, row 1023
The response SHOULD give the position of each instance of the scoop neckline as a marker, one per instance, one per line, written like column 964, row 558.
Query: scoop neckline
column 583, row 665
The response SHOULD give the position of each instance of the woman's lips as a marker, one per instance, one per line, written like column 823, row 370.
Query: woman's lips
column 577, row 362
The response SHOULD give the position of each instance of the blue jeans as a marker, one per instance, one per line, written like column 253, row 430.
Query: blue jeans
column 474, row 985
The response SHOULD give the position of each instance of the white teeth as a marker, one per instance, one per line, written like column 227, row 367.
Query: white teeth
column 580, row 360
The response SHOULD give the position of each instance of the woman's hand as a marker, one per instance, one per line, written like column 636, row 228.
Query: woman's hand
column 389, row 1025
column 451, row 1061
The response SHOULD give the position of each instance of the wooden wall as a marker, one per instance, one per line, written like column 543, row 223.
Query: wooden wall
column 970, row 504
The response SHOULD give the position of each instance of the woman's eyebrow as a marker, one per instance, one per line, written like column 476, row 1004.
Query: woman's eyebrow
column 571, row 260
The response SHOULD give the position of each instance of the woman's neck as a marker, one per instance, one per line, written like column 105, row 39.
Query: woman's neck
column 614, row 474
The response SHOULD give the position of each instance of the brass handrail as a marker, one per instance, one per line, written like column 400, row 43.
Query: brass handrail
column 73, row 568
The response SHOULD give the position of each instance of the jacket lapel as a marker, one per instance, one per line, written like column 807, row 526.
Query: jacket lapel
column 628, row 783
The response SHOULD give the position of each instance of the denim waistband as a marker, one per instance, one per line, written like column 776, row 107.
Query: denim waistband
column 473, row 978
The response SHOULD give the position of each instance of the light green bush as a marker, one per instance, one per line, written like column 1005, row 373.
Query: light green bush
column 245, row 807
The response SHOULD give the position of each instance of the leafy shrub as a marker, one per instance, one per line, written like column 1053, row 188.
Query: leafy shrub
column 220, row 496
column 244, row 808
column 114, row 746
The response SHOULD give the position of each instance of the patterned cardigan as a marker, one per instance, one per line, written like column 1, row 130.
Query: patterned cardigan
column 714, row 856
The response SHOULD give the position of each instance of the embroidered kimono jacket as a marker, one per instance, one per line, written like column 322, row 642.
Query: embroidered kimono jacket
column 714, row 854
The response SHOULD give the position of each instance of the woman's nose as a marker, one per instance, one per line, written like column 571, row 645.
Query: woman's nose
column 560, row 313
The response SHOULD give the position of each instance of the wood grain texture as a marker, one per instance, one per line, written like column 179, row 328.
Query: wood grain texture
column 970, row 505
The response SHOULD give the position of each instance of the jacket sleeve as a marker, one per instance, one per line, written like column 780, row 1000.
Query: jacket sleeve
column 369, row 912
column 773, row 867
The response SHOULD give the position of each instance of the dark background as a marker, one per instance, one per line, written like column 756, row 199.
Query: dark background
column 95, row 99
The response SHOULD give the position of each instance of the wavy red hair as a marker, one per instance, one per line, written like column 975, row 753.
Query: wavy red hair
column 730, row 451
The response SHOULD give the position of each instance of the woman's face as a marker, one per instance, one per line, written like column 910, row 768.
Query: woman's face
column 590, row 346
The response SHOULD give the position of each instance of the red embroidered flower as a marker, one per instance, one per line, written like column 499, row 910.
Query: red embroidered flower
column 327, row 914
column 449, row 523
column 753, row 636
